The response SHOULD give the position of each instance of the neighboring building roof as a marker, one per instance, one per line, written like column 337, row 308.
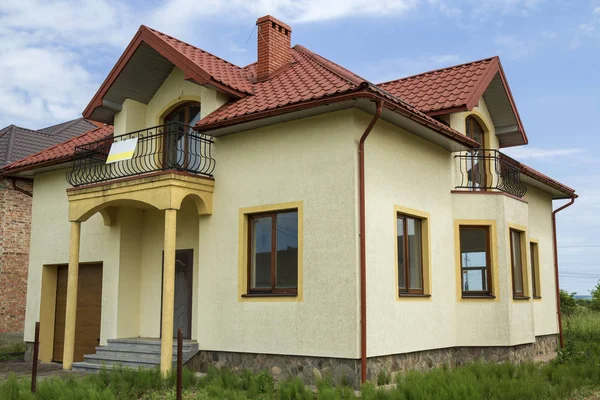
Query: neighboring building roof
column 459, row 88
column 17, row 142
column 59, row 153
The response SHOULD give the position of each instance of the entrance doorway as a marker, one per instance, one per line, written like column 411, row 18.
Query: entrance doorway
column 184, row 272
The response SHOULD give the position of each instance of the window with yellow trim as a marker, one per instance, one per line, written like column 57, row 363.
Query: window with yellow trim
column 273, row 253
column 517, row 257
column 412, row 253
column 535, row 270
column 475, row 261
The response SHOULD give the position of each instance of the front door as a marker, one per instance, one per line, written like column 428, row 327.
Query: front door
column 184, row 270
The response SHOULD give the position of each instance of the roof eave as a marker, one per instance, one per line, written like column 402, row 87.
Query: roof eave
column 359, row 94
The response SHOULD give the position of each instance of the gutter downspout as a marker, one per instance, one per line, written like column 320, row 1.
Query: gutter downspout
column 558, row 313
column 363, row 244
column 18, row 189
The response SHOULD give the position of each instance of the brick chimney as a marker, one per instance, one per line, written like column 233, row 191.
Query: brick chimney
column 274, row 40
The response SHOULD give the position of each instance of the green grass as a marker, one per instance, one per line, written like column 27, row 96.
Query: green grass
column 14, row 351
column 575, row 374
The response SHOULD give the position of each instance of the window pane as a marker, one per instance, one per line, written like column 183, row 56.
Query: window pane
column 516, row 258
column 414, row 253
column 534, row 278
column 401, row 258
column 474, row 256
column 261, row 253
column 287, row 250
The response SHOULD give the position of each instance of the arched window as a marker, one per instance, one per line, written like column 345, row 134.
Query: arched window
column 475, row 131
column 476, row 163
column 182, row 146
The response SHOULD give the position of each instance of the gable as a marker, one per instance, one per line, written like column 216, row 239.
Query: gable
column 148, row 60
column 459, row 88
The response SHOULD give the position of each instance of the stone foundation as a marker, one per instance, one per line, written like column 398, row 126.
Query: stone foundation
column 547, row 344
column 312, row 369
column 309, row 369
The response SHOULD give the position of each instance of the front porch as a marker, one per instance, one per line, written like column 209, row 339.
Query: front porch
column 156, row 216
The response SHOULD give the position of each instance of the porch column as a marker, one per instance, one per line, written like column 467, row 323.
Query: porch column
column 71, row 309
column 168, row 300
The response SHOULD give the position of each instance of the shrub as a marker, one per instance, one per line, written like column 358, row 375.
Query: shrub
column 568, row 303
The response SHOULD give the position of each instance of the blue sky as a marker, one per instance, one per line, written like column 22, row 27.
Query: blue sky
column 54, row 55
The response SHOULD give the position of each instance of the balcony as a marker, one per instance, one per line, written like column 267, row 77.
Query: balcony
column 171, row 147
column 489, row 170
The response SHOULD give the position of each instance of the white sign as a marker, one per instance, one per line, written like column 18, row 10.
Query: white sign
column 122, row 150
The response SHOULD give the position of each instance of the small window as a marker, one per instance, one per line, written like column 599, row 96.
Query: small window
column 410, row 254
column 516, row 258
column 535, row 270
column 475, row 259
column 273, row 252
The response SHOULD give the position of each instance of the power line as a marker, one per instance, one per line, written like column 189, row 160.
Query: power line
column 577, row 247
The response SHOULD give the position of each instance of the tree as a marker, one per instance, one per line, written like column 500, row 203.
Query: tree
column 595, row 302
column 567, row 302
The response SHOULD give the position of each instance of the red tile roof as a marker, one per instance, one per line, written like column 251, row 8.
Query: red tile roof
column 445, row 88
column 59, row 153
column 537, row 175
column 311, row 77
column 220, row 70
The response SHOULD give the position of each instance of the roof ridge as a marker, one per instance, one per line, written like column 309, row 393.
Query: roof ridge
column 438, row 70
column 67, row 125
column 11, row 140
column 335, row 68
column 191, row 45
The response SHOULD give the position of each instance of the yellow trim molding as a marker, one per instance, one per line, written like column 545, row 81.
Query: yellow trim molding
column 524, row 259
column 537, row 269
column 243, row 251
column 491, row 224
column 426, row 256
column 165, row 190
column 47, row 312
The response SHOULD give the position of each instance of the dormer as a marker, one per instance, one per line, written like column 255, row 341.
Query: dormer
column 478, row 89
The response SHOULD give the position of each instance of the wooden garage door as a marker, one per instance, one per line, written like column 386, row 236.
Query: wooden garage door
column 89, row 303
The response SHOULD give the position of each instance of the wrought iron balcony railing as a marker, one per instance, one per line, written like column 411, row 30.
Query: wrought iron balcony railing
column 173, row 146
column 482, row 169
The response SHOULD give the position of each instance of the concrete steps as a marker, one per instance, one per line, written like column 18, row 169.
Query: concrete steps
column 131, row 353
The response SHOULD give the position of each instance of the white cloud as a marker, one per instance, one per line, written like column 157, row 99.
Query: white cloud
column 528, row 153
column 597, row 10
column 512, row 46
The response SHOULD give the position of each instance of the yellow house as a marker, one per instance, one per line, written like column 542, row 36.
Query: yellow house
column 292, row 216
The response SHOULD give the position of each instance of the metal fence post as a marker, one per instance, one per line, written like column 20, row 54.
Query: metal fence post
column 179, row 362
column 36, row 349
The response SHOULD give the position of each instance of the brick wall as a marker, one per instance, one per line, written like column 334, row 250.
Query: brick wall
column 15, row 225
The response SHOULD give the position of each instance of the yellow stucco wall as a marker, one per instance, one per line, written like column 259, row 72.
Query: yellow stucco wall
column 312, row 160
column 50, row 246
column 540, row 229
column 405, row 170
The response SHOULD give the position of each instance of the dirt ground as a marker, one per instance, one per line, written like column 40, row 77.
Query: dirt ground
column 23, row 368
